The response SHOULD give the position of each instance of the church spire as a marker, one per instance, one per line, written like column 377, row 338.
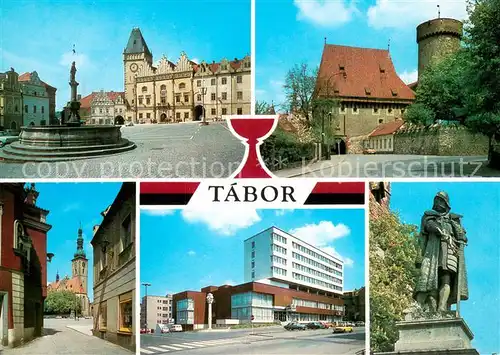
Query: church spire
column 57, row 276
column 80, row 253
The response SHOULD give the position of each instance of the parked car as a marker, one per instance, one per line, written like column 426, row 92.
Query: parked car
column 175, row 327
column 162, row 328
column 315, row 325
column 343, row 329
column 369, row 151
column 295, row 326
column 360, row 324
column 7, row 138
column 328, row 325
column 144, row 331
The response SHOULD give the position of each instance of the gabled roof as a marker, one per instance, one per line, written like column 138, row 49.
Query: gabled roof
column 387, row 128
column 136, row 43
column 360, row 73
column 27, row 77
column 86, row 102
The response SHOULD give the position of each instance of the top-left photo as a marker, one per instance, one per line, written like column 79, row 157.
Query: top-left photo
column 123, row 89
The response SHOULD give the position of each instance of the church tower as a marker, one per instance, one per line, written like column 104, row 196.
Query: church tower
column 79, row 264
column 135, row 56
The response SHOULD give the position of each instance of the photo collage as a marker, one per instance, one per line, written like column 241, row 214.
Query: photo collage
column 248, row 177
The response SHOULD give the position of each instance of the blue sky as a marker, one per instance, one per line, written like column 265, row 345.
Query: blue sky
column 291, row 32
column 202, row 247
column 69, row 204
column 479, row 203
column 205, row 30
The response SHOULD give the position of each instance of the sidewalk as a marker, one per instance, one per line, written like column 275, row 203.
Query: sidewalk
column 84, row 329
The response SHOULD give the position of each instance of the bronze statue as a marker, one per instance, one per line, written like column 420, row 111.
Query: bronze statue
column 442, row 279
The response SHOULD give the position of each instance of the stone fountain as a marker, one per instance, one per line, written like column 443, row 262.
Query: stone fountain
column 68, row 141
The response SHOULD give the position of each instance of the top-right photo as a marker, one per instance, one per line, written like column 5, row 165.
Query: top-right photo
column 380, row 88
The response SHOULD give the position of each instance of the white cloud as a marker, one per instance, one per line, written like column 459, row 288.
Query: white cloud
column 409, row 77
column 191, row 253
column 158, row 212
column 224, row 220
column 71, row 207
column 321, row 235
column 229, row 282
column 282, row 212
column 325, row 13
column 409, row 13
column 80, row 59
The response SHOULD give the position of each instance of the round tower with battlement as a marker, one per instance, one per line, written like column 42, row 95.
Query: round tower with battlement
column 436, row 39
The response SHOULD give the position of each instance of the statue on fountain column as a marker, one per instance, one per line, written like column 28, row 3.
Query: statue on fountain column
column 72, row 115
column 442, row 279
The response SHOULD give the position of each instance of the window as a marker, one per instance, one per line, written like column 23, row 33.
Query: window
column 182, row 86
column 140, row 100
column 253, row 264
column 178, row 115
column 148, row 101
column 239, row 95
column 107, row 110
column 389, row 111
column 212, row 96
column 126, row 313
column 25, row 108
column 34, row 108
column 43, row 109
column 376, row 111
column 253, row 253
column 355, row 110
column 213, row 112
column 186, row 114
column 253, row 244
column 279, row 249
column 148, row 115
column 178, row 98
column 381, row 120
column 279, row 238
column 144, row 89
column 126, row 232
column 224, row 81
column 239, row 79
column 163, row 100
column 253, row 274
column 198, row 97
column 342, row 109
column 212, row 82
column 239, row 111
column 140, row 115
column 103, row 316
column 186, row 98
column 224, row 96
column 224, row 111
column 163, row 88
column 198, row 83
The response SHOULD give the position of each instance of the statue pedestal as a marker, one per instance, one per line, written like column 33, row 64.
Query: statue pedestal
column 434, row 336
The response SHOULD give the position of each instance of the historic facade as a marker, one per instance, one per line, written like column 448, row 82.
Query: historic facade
column 36, row 101
column 114, row 271
column 11, row 102
column 23, row 264
column 366, row 85
column 78, row 283
column 185, row 90
column 103, row 108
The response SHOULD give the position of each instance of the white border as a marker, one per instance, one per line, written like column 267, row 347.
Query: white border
column 137, row 269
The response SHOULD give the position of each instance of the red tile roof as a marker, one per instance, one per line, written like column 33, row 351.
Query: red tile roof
column 387, row 128
column 66, row 284
column 27, row 77
column 369, row 73
column 86, row 101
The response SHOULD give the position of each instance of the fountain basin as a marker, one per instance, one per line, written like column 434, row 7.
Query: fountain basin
column 55, row 143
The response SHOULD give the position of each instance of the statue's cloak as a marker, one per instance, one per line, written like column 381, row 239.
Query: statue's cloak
column 434, row 256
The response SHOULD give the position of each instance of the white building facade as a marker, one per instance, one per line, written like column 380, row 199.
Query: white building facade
column 157, row 309
column 281, row 259
column 35, row 101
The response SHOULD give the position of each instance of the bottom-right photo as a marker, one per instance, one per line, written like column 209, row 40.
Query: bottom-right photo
column 434, row 261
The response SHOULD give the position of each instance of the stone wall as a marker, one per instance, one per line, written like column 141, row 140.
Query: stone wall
column 439, row 140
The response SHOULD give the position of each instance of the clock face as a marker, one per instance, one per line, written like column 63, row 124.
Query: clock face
column 133, row 67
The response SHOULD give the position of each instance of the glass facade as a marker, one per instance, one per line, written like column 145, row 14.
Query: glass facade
column 185, row 311
column 244, row 305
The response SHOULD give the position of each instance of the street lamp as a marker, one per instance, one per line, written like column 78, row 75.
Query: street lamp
column 203, row 93
column 50, row 256
column 146, row 284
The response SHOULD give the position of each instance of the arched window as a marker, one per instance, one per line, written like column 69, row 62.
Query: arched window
column 144, row 89
column 163, row 87
column 182, row 86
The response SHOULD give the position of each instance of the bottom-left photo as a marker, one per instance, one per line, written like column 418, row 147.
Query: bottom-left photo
column 67, row 268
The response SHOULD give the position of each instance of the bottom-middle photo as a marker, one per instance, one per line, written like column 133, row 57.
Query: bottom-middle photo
column 246, row 281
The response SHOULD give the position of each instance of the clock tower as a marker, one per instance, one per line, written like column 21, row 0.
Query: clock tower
column 135, row 56
column 79, row 264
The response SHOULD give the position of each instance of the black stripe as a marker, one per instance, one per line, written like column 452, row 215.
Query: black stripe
column 335, row 199
column 165, row 199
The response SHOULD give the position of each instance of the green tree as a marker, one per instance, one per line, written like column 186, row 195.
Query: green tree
column 262, row 108
column 62, row 302
column 299, row 87
column 393, row 251
column 323, row 117
column 482, row 42
column 419, row 113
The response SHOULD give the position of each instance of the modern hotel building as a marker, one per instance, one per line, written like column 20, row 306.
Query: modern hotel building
column 285, row 279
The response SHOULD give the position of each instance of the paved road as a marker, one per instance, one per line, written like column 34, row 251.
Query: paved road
column 57, row 338
column 395, row 166
column 260, row 342
column 163, row 151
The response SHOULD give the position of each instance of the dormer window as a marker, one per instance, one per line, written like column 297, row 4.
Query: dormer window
column 336, row 91
column 341, row 67
column 382, row 69
column 394, row 92
column 368, row 91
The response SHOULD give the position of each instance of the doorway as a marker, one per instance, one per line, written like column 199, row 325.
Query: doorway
column 339, row 147
column 198, row 113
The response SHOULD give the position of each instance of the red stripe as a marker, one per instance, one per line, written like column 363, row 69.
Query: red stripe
column 339, row 187
column 169, row 187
